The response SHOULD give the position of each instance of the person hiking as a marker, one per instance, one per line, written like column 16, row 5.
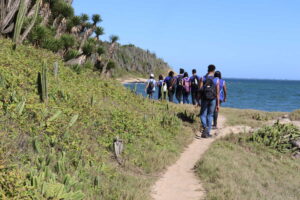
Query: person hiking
column 209, row 100
column 186, row 88
column 223, row 97
column 179, row 86
column 150, row 86
column 195, row 88
column 161, row 86
column 170, row 83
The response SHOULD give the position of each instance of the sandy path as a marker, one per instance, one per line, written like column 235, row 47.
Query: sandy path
column 179, row 181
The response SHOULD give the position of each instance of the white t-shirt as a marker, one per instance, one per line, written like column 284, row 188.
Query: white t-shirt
column 153, row 81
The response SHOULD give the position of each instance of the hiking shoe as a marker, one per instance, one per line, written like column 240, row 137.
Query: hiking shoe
column 205, row 133
column 214, row 127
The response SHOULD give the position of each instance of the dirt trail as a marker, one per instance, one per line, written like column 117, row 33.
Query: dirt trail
column 179, row 182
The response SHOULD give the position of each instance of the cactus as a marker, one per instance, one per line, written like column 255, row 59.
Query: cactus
column 55, row 69
column 20, row 107
column 92, row 100
column 36, row 145
column 19, row 22
column 96, row 181
column 73, row 120
column 33, row 20
column 55, row 116
column 43, row 84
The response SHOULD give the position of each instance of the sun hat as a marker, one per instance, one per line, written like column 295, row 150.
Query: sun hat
column 152, row 75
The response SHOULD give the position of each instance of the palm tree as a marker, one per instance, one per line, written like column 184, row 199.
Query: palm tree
column 96, row 19
column 99, row 31
column 113, row 40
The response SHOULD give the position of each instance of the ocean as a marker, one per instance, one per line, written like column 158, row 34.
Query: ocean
column 266, row 95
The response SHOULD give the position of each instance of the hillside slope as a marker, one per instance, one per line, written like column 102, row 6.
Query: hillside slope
column 63, row 149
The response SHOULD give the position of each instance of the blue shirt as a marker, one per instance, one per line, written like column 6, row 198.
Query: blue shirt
column 222, row 83
column 215, row 79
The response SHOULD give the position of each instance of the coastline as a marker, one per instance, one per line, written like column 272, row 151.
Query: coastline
column 132, row 80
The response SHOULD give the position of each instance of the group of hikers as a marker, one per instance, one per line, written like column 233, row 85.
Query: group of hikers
column 208, row 92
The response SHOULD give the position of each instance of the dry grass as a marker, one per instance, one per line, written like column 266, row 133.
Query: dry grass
column 236, row 170
column 295, row 115
column 252, row 118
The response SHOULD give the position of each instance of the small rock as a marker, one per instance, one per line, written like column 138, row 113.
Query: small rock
column 297, row 154
column 285, row 116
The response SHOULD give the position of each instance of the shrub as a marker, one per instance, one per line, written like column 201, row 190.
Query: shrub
column 71, row 54
column 279, row 137
column 100, row 51
column 111, row 65
column 88, row 65
column 52, row 44
column 40, row 34
column 67, row 41
column 89, row 48
column 60, row 7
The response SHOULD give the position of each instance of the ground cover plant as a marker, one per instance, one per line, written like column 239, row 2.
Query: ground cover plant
column 58, row 126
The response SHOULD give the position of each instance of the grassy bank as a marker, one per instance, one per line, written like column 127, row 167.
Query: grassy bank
column 252, row 118
column 63, row 149
column 235, row 168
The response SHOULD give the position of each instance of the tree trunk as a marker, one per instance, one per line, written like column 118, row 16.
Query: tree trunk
column 86, row 35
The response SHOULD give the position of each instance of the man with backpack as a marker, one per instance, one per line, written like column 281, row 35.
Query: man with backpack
column 179, row 86
column 186, row 88
column 150, row 86
column 195, row 88
column 170, row 84
column 210, row 100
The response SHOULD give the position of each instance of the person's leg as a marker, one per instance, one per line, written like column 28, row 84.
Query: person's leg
column 210, row 114
column 187, row 98
column 159, row 93
column 170, row 94
column 216, row 114
column 165, row 95
column 203, row 113
column 184, row 98
column 194, row 97
column 177, row 95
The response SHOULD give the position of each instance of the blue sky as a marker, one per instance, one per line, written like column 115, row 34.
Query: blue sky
column 246, row 39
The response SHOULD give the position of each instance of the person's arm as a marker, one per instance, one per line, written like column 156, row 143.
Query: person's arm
column 225, row 91
column 218, row 96
column 200, row 82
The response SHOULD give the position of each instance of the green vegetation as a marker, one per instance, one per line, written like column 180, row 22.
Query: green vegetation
column 252, row 166
column 252, row 118
column 77, row 39
column 57, row 131
column 279, row 136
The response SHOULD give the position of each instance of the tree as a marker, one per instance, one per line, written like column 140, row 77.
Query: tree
column 96, row 19
column 99, row 31
column 113, row 40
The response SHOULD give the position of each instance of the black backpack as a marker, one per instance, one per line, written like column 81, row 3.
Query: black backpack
column 209, row 89
column 150, row 86
column 179, row 81
column 170, row 83
column 195, row 82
